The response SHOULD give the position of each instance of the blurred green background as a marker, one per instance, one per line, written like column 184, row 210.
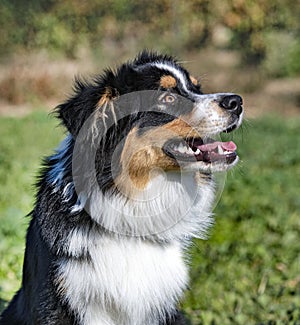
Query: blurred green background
column 248, row 272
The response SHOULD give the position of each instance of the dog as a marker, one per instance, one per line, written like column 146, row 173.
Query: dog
column 122, row 197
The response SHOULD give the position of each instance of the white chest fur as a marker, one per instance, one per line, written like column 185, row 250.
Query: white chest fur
column 126, row 282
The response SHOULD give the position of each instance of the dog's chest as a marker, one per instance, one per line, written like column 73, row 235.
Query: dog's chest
column 126, row 282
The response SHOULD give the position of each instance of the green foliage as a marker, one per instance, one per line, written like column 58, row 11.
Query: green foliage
column 246, row 273
column 120, row 25
column 293, row 62
column 23, row 143
column 252, row 20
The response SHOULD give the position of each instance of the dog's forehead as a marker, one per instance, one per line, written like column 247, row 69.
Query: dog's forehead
column 171, row 75
column 167, row 68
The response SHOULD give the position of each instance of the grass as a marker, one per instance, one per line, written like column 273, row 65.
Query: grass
column 248, row 272
column 23, row 143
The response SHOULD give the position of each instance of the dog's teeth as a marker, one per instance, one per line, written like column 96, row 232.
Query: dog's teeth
column 185, row 149
column 190, row 151
column 220, row 150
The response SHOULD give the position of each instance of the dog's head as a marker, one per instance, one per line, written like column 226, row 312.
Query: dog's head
column 146, row 119
column 161, row 116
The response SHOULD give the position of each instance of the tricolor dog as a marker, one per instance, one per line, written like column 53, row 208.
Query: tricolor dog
column 120, row 200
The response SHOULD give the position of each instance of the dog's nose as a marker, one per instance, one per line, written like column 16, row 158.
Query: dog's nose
column 232, row 103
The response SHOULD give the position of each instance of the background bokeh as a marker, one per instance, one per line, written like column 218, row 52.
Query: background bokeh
column 248, row 271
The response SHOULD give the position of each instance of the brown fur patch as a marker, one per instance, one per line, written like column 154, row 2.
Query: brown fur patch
column 168, row 82
column 181, row 128
column 194, row 81
column 142, row 156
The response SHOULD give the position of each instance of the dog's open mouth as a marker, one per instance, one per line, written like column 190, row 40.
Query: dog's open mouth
column 206, row 150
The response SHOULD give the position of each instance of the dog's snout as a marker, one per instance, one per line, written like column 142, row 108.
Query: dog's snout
column 232, row 103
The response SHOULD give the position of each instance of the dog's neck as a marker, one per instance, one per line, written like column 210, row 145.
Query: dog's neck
column 174, row 206
column 135, row 280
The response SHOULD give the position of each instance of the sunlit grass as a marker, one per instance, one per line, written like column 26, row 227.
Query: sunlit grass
column 248, row 272
column 23, row 143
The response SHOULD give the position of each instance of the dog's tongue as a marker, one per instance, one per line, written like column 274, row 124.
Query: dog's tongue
column 228, row 146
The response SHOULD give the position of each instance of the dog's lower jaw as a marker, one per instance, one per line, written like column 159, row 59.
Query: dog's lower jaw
column 211, row 168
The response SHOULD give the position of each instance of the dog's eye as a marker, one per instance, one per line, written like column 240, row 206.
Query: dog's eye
column 168, row 99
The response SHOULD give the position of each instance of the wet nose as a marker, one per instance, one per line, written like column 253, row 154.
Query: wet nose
column 232, row 103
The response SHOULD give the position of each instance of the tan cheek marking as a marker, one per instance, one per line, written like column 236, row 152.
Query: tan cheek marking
column 141, row 155
column 194, row 81
column 144, row 162
column 168, row 82
column 181, row 128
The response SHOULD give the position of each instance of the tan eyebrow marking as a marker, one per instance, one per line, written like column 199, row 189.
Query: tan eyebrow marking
column 168, row 81
column 194, row 81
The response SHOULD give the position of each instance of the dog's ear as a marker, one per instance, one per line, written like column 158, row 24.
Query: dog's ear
column 87, row 99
